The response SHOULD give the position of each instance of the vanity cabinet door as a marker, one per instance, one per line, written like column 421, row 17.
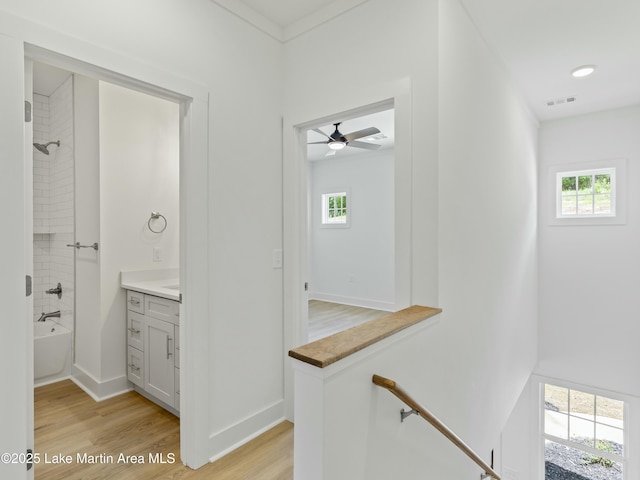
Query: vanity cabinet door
column 159, row 374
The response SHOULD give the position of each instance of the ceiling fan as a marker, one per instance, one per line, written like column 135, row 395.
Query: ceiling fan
column 337, row 141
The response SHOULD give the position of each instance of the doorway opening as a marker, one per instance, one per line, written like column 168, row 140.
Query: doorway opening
column 114, row 159
column 350, row 221
column 191, row 101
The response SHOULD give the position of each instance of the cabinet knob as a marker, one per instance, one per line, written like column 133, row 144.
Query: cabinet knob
column 133, row 330
column 133, row 367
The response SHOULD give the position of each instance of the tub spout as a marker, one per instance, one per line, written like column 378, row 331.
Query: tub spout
column 44, row 316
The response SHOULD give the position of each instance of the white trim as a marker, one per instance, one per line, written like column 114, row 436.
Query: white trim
column 42, row 42
column 247, row 429
column 586, row 173
column 284, row 33
column 252, row 17
column 631, row 423
column 396, row 95
column 99, row 390
column 619, row 184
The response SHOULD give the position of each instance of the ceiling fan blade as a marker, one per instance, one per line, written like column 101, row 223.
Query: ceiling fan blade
column 330, row 153
column 317, row 143
column 367, row 132
column 321, row 133
column 368, row 146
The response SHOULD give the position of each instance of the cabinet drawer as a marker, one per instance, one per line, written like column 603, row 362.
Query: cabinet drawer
column 162, row 309
column 135, row 366
column 135, row 330
column 135, row 301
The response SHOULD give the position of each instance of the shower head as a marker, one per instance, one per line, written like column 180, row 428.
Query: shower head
column 43, row 148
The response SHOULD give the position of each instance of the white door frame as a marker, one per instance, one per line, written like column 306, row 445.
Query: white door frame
column 396, row 95
column 14, row 352
column 40, row 43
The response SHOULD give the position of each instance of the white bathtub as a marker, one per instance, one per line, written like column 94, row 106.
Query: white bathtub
column 51, row 352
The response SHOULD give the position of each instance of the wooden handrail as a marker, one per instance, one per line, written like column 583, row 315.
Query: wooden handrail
column 394, row 388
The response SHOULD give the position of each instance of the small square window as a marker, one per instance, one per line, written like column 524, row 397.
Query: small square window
column 586, row 193
column 336, row 209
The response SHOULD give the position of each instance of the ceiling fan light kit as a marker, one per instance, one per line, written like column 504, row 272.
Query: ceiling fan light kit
column 337, row 141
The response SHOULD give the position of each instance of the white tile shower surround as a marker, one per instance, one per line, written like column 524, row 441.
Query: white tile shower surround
column 53, row 203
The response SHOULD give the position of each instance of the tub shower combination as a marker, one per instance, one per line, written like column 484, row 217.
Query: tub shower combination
column 52, row 350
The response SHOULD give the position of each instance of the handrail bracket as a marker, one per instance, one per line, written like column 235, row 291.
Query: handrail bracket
column 406, row 413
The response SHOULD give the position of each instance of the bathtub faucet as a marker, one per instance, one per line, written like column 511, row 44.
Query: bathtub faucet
column 55, row 291
column 44, row 316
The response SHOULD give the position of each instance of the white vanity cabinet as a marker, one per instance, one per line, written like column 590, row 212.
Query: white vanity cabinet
column 153, row 326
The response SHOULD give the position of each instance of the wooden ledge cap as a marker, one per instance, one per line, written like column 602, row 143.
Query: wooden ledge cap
column 328, row 350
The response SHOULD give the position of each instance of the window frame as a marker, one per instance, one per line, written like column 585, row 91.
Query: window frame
column 327, row 193
column 628, row 425
column 611, row 171
column 618, row 167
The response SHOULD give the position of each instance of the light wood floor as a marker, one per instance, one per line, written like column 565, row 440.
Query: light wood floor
column 327, row 318
column 69, row 422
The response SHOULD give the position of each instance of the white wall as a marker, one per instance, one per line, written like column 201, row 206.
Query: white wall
column 487, row 234
column 478, row 198
column 349, row 429
column 589, row 274
column 128, row 166
column 395, row 45
column 139, row 173
column 87, row 190
column 354, row 265
column 241, row 68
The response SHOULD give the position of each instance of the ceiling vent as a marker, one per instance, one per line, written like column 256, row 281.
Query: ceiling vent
column 560, row 101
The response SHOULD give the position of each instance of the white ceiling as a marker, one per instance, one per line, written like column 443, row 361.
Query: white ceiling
column 539, row 41
column 286, row 12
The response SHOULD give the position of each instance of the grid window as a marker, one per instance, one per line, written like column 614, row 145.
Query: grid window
column 586, row 193
column 335, row 209
column 583, row 432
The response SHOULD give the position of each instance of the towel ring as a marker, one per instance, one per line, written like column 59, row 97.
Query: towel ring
column 155, row 216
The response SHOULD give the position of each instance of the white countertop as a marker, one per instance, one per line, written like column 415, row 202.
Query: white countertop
column 163, row 283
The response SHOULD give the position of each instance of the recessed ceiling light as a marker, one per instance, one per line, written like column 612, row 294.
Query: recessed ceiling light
column 583, row 71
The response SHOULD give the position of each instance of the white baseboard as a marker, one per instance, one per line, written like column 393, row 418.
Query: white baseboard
column 245, row 430
column 96, row 389
column 353, row 301
column 41, row 382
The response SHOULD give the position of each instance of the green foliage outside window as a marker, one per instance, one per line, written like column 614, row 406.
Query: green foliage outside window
column 586, row 194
